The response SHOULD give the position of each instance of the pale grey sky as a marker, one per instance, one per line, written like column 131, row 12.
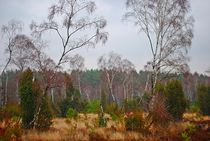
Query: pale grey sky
column 124, row 38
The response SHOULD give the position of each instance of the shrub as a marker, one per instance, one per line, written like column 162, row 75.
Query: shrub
column 132, row 105
column 9, row 111
column 64, row 105
column 159, row 88
column 194, row 108
column 203, row 99
column 71, row 113
column 102, row 120
column 158, row 113
column 72, row 102
column 187, row 134
column 73, row 99
column 144, row 101
column 93, row 107
column 104, row 100
column 175, row 99
column 134, row 122
column 11, row 131
column 115, row 111
column 43, row 115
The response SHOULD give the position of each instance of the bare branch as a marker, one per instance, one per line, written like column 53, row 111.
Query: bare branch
column 9, row 32
column 168, row 27
column 74, row 24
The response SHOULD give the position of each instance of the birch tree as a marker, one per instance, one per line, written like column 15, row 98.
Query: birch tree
column 9, row 32
column 23, row 50
column 168, row 27
column 208, row 71
column 79, row 28
column 110, row 64
column 77, row 65
column 127, row 67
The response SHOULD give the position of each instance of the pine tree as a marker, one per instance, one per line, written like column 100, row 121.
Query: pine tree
column 43, row 114
column 175, row 98
column 159, row 88
column 203, row 99
column 73, row 98
column 27, row 98
column 36, row 111
column 44, row 117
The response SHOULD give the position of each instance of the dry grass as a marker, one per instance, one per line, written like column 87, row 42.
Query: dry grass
column 85, row 128
column 195, row 117
column 44, row 136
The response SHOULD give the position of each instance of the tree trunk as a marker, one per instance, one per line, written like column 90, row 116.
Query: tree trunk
column 6, row 90
column 52, row 95
column 111, row 93
column 79, row 84
column 1, row 93
column 124, row 91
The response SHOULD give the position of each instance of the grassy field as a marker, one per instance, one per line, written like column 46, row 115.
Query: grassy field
column 193, row 128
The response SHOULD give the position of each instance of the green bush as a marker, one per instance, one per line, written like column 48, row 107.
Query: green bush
column 73, row 99
column 115, row 111
column 187, row 134
column 175, row 99
column 36, row 110
column 27, row 98
column 93, row 107
column 72, row 102
column 71, row 113
column 44, row 118
column 132, row 105
column 159, row 88
column 203, row 99
column 102, row 120
column 194, row 108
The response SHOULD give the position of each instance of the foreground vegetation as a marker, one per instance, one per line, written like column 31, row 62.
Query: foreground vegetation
column 194, row 127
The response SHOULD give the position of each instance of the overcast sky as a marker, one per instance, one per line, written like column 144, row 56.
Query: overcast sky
column 124, row 38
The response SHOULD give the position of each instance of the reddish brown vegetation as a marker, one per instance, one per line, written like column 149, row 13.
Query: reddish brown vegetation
column 84, row 128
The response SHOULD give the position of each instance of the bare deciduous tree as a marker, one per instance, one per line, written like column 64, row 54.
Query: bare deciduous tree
column 168, row 27
column 23, row 51
column 9, row 32
column 77, row 65
column 110, row 65
column 208, row 71
column 127, row 67
column 46, row 69
column 80, row 28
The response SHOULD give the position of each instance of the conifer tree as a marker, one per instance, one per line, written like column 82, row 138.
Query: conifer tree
column 175, row 98
column 203, row 99
column 27, row 98
column 44, row 118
